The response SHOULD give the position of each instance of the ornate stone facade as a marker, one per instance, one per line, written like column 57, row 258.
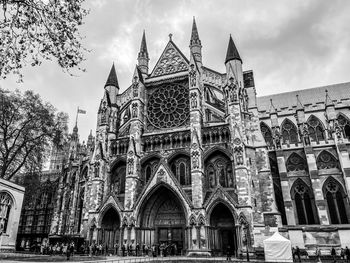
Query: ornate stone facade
column 191, row 158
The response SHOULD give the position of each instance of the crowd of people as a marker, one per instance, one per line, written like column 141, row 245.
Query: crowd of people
column 343, row 254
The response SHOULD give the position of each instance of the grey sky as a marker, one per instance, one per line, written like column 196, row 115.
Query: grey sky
column 288, row 44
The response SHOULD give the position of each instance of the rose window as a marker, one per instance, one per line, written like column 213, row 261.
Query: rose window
column 168, row 106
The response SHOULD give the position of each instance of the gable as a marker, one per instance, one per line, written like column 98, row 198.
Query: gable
column 171, row 61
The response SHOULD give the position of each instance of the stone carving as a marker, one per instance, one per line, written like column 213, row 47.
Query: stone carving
column 277, row 137
column 130, row 166
column 193, row 75
column 134, row 110
column 239, row 155
column 305, row 134
column 195, row 160
column 97, row 169
column 193, row 100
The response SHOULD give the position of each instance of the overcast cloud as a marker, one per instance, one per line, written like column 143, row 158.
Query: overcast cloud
column 288, row 44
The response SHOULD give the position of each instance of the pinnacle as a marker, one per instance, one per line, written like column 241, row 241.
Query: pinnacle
column 329, row 101
column 272, row 107
column 232, row 52
column 143, row 48
column 112, row 78
column 300, row 106
column 194, row 35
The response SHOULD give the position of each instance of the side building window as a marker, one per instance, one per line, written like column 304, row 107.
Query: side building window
column 6, row 204
column 344, row 123
column 316, row 130
column 325, row 160
column 266, row 132
column 336, row 201
column 180, row 166
column 289, row 132
column 304, row 203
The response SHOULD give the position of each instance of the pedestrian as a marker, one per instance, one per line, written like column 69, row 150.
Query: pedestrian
column 116, row 249
column 137, row 249
column 297, row 253
column 342, row 253
column 334, row 255
column 318, row 255
column 228, row 253
column 293, row 253
column 68, row 252
column 347, row 254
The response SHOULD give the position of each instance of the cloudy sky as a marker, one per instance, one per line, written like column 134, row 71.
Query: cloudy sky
column 289, row 45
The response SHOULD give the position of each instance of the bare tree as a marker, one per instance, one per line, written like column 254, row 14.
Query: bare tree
column 37, row 30
column 28, row 126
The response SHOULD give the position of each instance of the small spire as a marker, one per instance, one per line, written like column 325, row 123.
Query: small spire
column 170, row 37
column 300, row 106
column 329, row 101
column 90, row 135
column 194, row 35
column 232, row 52
column 143, row 49
column 112, row 79
column 272, row 107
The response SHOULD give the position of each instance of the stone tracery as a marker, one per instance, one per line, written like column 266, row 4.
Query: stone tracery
column 168, row 106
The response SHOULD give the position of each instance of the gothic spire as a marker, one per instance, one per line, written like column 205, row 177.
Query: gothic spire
column 194, row 35
column 143, row 48
column 272, row 108
column 142, row 57
column 329, row 101
column 112, row 79
column 232, row 52
column 300, row 106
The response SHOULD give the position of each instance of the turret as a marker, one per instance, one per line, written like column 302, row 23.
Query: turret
column 112, row 86
column 143, row 58
column 195, row 44
column 300, row 111
column 330, row 109
column 233, row 63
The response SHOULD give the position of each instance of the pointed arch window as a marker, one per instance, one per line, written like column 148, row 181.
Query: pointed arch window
column 315, row 128
column 6, row 204
column 296, row 163
column 180, row 167
column 304, row 203
column 344, row 123
column 118, row 179
column 289, row 132
column 336, row 201
column 219, row 171
column 326, row 160
column 265, row 130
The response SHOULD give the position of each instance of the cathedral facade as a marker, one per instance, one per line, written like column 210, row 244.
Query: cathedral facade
column 191, row 158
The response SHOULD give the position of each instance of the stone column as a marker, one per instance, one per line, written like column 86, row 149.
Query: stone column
column 321, row 203
column 288, row 203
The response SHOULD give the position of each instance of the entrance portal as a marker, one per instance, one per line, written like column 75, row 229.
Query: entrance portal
column 163, row 222
column 222, row 231
column 110, row 229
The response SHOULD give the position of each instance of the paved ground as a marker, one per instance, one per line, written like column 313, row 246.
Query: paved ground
column 20, row 258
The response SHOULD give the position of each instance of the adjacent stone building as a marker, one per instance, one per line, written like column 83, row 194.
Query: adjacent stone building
column 11, row 198
column 191, row 158
column 38, row 208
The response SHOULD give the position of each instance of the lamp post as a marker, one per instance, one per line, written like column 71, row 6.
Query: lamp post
column 1, row 234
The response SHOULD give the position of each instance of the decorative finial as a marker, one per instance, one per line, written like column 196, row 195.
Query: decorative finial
column 170, row 37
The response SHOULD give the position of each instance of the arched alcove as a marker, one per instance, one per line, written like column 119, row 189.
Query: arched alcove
column 162, row 219
column 222, row 230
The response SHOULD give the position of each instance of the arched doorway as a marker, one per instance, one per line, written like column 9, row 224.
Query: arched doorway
column 223, row 231
column 163, row 221
column 110, row 229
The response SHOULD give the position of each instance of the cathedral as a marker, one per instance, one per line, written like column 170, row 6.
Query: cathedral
column 191, row 158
